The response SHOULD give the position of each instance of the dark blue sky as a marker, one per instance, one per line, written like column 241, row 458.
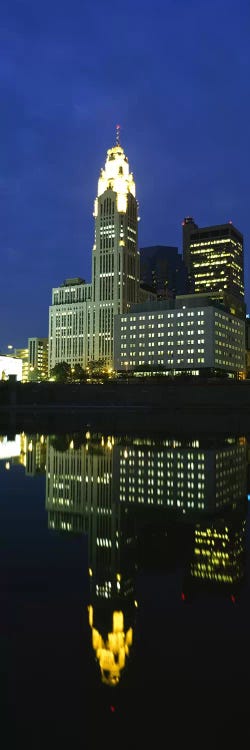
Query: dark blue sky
column 174, row 74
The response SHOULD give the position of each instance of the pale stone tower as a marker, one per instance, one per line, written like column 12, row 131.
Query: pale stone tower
column 115, row 255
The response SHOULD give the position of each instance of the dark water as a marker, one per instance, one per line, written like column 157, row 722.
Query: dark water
column 124, row 590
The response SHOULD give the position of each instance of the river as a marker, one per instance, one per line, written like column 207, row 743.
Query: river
column 124, row 588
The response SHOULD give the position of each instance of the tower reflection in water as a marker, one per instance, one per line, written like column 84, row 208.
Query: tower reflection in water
column 124, row 493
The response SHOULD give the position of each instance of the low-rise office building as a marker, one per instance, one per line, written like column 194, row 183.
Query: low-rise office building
column 23, row 354
column 190, row 334
column 10, row 367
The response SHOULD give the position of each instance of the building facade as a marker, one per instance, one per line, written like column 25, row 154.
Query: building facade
column 37, row 358
column 69, row 323
column 163, row 269
column 115, row 255
column 214, row 257
column 82, row 327
column 10, row 367
column 190, row 334
column 23, row 354
column 247, row 346
column 81, row 316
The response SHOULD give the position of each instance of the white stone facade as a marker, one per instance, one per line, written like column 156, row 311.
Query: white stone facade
column 115, row 257
column 81, row 317
column 69, row 323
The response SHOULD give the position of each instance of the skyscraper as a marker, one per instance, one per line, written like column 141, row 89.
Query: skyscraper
column 214, row 259
column 115, row 255
column 163, row 269
column 81, row 316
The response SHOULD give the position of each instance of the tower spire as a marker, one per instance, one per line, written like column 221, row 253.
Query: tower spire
column 118, row 135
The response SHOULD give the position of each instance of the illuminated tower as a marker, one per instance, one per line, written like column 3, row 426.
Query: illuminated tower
column 115, row 257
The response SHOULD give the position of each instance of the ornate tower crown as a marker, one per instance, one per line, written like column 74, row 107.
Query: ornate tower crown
column 116, row 175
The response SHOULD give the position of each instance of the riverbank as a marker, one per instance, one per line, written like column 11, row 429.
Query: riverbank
column 179, row 408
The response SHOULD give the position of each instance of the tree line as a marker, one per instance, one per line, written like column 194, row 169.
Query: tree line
column 64, row 373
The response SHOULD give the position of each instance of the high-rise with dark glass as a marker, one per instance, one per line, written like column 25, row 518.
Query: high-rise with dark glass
column 162, row 268
column 214, row 258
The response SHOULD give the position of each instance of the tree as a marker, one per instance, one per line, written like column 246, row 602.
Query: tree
column 60, row 442
column 97, row 366
column 61, row 372
column 98, row 369
column 64, row 442
column 78, row 373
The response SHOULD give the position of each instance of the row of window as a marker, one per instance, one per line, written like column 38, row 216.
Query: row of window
column 158, row 316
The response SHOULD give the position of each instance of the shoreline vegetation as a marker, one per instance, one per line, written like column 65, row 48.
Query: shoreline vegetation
column 145, row 407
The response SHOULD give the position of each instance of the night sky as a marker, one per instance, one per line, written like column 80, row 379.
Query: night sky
column 174, row 74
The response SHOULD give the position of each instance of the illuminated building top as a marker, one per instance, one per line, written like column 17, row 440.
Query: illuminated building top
column 112, row 652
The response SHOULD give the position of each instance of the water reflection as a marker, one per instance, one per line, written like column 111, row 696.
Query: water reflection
column 141, row 501
column 122, row 493
column 218, row 553
column 82, row 495
column 27, row 450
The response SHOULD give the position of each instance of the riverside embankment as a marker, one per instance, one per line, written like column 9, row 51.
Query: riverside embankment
column 163, row 407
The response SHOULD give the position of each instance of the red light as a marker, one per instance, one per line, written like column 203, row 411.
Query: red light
column 183, row 596
column 112, row 709
column 233, row 598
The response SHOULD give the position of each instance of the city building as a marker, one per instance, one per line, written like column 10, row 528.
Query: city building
column 248, row 346
column 81, row 316
column 69, row 323
column 163, row 270
column 38, row 358
column 85, row 319
column 115, row 256
column 10, row 367
column 190, row 334
column 214, row 257
column 23, row 354
column 146, row 293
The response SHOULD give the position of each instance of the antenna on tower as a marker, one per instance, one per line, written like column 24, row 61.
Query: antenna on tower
column 118, row 127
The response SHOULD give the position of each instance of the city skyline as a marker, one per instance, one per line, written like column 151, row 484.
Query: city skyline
column 62, row 99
